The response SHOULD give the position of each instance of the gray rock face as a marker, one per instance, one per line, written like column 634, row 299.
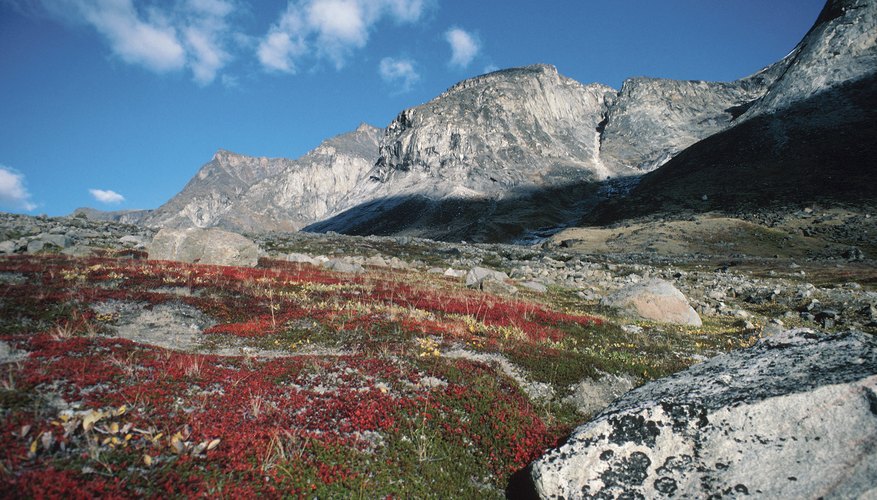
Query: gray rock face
column 655, row 300
column 477, row 136
column 203, row 246
column 793, row 417
column 840, row 48
column 653, row 119
column 245, row 193
column 482, row 140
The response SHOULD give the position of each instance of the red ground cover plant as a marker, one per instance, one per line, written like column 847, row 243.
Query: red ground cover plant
column 87, row 414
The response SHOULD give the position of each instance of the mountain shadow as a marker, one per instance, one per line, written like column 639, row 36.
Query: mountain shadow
column 524, row 214
column 821, row 149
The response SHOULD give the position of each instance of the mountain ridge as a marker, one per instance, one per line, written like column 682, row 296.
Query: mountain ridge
column 490, row 147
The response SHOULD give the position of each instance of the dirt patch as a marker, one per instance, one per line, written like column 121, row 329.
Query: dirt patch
column 704, row 235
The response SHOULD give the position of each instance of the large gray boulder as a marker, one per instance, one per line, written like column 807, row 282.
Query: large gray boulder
column 47, row 240
column 795, row 416
column 654, row 300
column 477, row 275
column 203, row 246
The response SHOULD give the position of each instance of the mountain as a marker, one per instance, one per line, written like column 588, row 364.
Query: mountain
column 123, row 216
column 254, row 194
column 489, row 159
column 811, row 137
column 521, row 151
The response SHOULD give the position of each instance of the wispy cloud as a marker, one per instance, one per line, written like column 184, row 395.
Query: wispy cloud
column 329, row 29
column 399, row 71
column 106, row 196
column 13, row 193
column 464, row 47
column 193, row 34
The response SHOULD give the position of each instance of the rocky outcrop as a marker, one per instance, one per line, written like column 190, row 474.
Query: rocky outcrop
column 840, row 48
column 67, row 235
column 654, row 300
column 203, row 246
column 793, row 417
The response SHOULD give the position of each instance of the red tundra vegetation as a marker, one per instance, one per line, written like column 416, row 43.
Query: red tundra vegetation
column 341, row 385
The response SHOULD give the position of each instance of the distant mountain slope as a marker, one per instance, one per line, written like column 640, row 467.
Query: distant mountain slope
column 247, row 193
column 812, row 136
column 123, row 216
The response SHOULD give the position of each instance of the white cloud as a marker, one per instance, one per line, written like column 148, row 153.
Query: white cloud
column 464, row 47
column 408, row 11
column 284, row 43
column 399, row 70
column 153, row 44
column 106, row 196
column 206, row 35
column 13, row 193
column 194, row 34
column 329, row 29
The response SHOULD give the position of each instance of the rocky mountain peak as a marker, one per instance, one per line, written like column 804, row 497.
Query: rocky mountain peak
column 366, row 128
column 515, row 127
column 841, row 48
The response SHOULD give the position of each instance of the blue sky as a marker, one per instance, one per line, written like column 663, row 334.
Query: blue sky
column 115, row 104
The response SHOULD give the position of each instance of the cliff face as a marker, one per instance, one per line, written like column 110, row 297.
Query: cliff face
column 318, row 185
column 523, row 126
column 652, row 120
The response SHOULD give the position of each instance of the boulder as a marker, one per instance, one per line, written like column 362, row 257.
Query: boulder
column 592, row 395
column 478, row 274
column 342, row 266
column 534, row 286
column 57, row 241
column 132, row 240
column 204, row 246
column 794, row 416
column 8, row 247
column 301, row 258
column 497, row 287
column 655, row 300
column 454, row 273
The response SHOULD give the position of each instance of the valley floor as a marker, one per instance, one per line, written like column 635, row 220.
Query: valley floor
column 121, row 376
